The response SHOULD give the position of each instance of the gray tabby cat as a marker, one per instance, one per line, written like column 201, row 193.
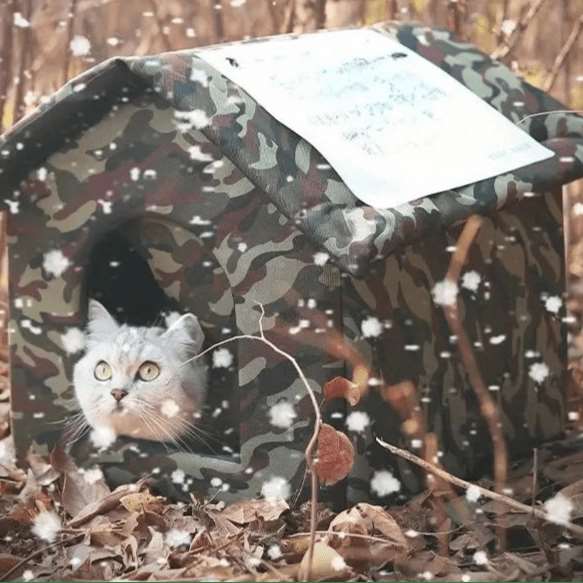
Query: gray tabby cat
column 133, row 381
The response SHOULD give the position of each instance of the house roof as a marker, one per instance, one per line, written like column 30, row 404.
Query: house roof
column 320, row 204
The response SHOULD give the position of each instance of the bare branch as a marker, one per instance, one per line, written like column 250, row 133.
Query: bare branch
column 160, row 25
column 488, row 407
column 25, row 53
column 497, row 497
column 512, row 41
column 70, row 31
column 564, row 54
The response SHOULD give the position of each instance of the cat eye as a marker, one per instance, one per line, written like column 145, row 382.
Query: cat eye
column 148, row 371
column 102, row 371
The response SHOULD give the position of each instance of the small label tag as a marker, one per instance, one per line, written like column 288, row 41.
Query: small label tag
column 394, row 126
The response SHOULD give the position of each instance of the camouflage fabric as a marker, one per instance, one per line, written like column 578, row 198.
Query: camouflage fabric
column 221, row 227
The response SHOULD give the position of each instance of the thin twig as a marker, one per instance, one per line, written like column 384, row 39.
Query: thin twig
column 564, row 54
column 534, row 476
column 70, row 31
column 497, row 497
column 455, row 14
column 318, row 420
column 289, row 17
column 273, row 16
column 513, row 39
column 160, row 25
column 18, row 108
column 20, row 564
column 503, row 17
column 488, row 407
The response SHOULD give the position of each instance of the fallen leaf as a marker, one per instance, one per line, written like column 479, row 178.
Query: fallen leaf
column 142, row 501
column 246, row 511
column 326, row 564
column 335, row 456
column 367, row 524
column 104, row 505
column 341, row 388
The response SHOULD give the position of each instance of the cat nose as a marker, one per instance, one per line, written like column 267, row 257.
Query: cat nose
column 119, row 394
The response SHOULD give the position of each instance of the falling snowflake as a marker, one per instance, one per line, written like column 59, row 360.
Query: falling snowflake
column 80, row 46
column 135, row 173
column 276, row 488
column 6, row 452
column 445, row 293
column 46, row 525
column 55, row 263
column 238, row 3
column 178, row 476
column 371, row 327
column 187, row 120
column 282, row 415
column 20, row 21
column 507, row 27
column 480, row 558
column 538, row 372
column 93, row 475
column 473, row 493
column 471, row 280
column 357, row 421
column 73, row 340
column 321, row 258
column 28, row 575
column 199, row 76
column 338, row 563
column 559, row 509
column 222, row 358
column 42, row 174
column 176, row 537
column 196, row 153
column 495, row 340
column 274, row 552
column 553, row 304
column 384, row 483
column 169, row 408
column 102, row 437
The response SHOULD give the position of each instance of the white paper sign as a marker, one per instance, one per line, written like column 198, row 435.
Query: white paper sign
column 394, row 126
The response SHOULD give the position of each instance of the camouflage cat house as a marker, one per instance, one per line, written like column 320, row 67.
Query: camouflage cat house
column 105, row 175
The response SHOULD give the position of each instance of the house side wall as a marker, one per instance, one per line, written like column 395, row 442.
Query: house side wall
column 514, row 267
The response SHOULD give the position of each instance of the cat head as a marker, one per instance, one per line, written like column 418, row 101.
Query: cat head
column 137, row 381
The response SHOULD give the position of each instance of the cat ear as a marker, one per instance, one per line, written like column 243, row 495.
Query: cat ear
column 101, row 324
column 186, row 331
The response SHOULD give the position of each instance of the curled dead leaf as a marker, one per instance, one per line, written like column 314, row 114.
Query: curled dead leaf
column 341, row 388
column 335, row 455
column 246, row 511
column 367, row 524
column 326, row 564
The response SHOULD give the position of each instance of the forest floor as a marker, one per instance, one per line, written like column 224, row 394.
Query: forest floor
column 58, row 522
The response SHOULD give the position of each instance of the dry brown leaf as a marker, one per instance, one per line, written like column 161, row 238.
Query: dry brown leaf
column 142, row 502
column 246, row 511
column 104, row 505
column 335, row 456
column 326, row 564
column 341, row 388
column 365, row 520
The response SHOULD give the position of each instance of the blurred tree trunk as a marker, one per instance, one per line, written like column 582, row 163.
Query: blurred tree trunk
column 7, row 16
column 19, row 108
column 308, row 15
column 344, row 13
